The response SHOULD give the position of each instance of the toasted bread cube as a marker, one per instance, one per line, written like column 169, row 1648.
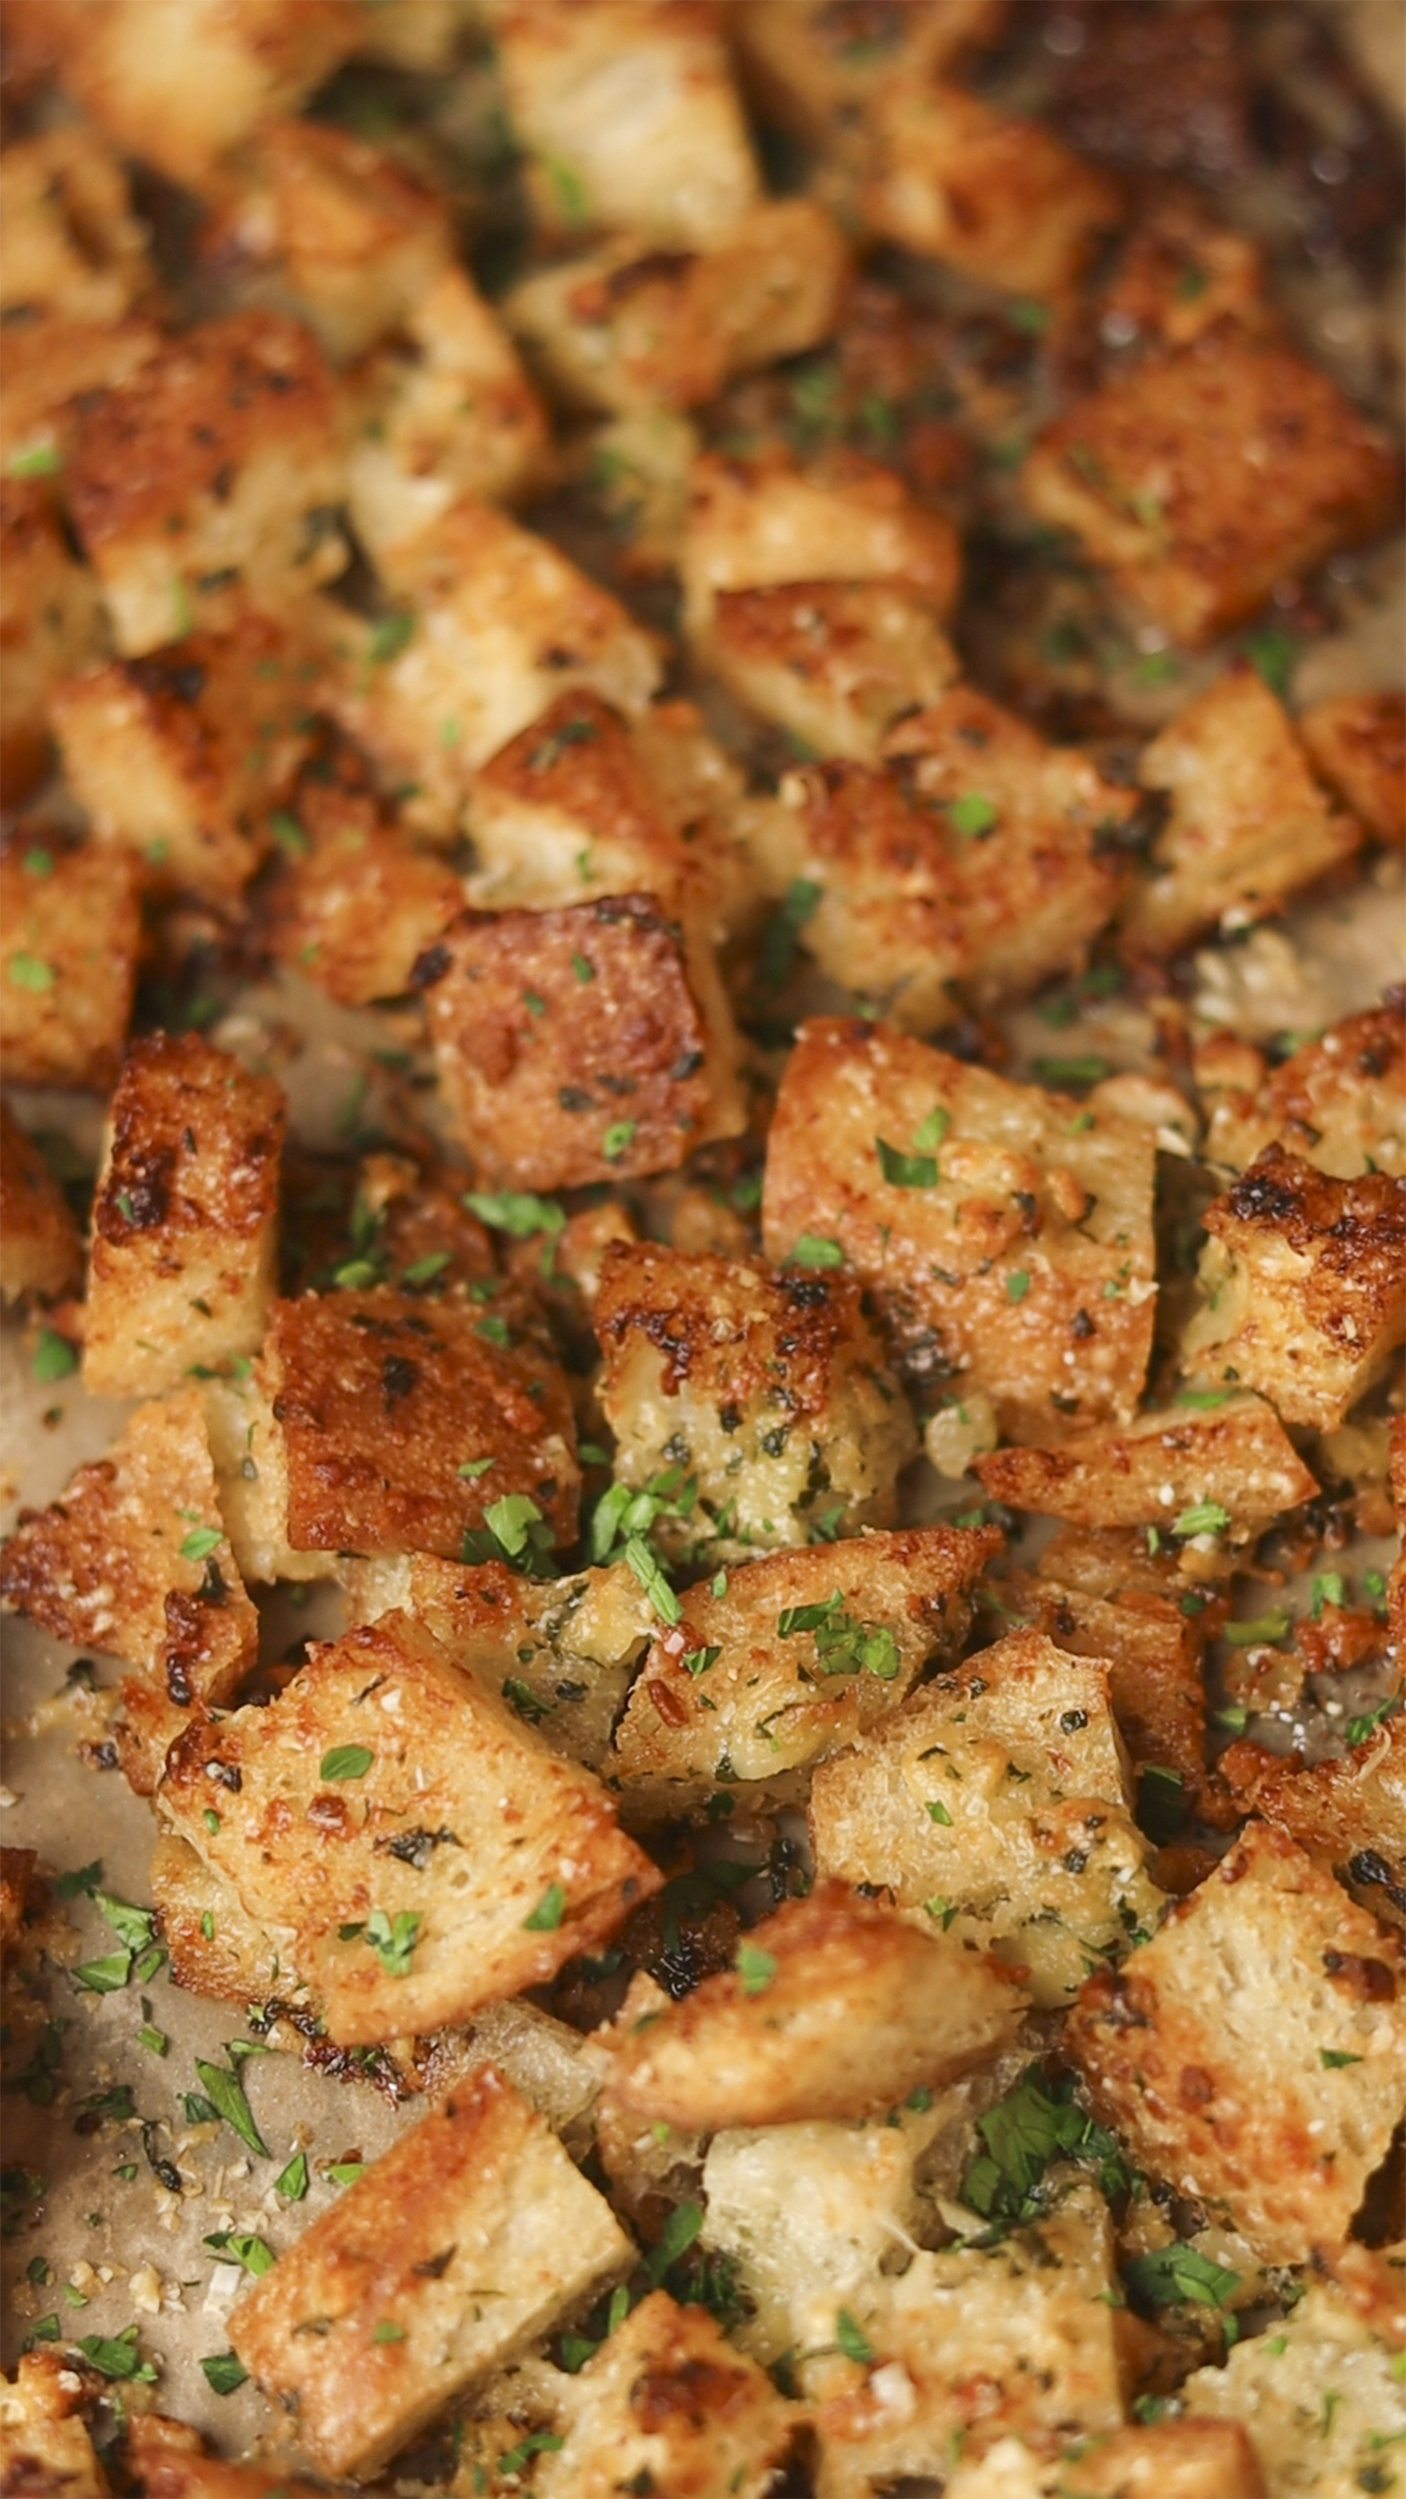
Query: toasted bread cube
column 758, row 523
column 998, row 1792
column 185, row 1219
column 1248, row 824
column 572, row 1046
column 171, row 2468
column 51, row 362
column 458, row 1860
column 385, row 1401
column 209, row 479
column 51, row 621
column 72, row 244
column 251, row 1467
column 1278, row 2382
column 816, row 77
column 178, row 757
column 769, row 1388
column 1202, row 479
column 834, row 663
column 40, row 1252
column 1339, row 1102
column 478, row 2196
column 1233, row 1457
column 836, row 2008
column 133, row 1560
column 44, row 2443
column 1179, row 274
column 68, row 963
column 668, row 2403
column 1358, row 746
column 634, row 329
column 1176, row 2459
column 1001, row 200
column 1274, row 2104
column 628, row 116
column 799, row 1653
column 216, row 1949
column 356, row 904
column 1301, row 1286
column 1351, row 1811
column 1012, row 1251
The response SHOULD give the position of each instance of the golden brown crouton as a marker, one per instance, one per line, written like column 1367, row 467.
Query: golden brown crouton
column 355, row 904
column 1176, row 2459
column 1339, row 1102
column 209, row 479
column 668, row 2404
column 1301, row 1286
column 457, row 1858
column 758, row 522
column 1004, row 1232
column 1358, row 745
column 1351, row 1810
column 1001, row 200
column 1248, row 823
column 1279, row 2382
column 72, row 244
column 1202, row 479
column 385, row 1402
column 45, row 2449
column 816, row 69
column 463, row 2243
column 1229, row 1455
column 1179, row 274
column 133, row 1560
column 50, row 363
column 628, row 116
column 795, row 1655
column 181, row 1264
column 179, row 756
column 51, row 622
column 1275, row 2103
column 40, row 1252
column 215, row 1947
column 69, row 934
column 994, row 1803
column 768, row 1389
column 168, row 2468
column 251, row 1468
column 834, row 663
column 835, row 2008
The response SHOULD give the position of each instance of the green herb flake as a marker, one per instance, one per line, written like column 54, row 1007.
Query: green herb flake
column 1333, row 2059
column 292, row 2182
column 104, row 1977
column 242, row 2247
column 42, row 460
column 1017, row 1285
column 549, row 1912
column 389, row 637
column 1274, row 655
column 345, row 2173
column 618, row 1139
column 225, row 2093
column 1329, row 1588
column 1172, row 2277
column 534, row 1002
column 814, row 1250
column 54, row 1357
column 700, row 1661
column 755, row 1968
column 427, row 1268
column 971, row 815
column 1264, row 1627
column 393, row 1939
column 388, row 2331
column 905, row 1171
column 225, row 2372
column 937, row 1812
column 1204, row 1518
column 201, row 1543
column 649, row 1571
column 851, row 2337
column 117, row 2356
column 1076, row 1071
column 346, row 1761
column 514, row 1211
column 291, row 837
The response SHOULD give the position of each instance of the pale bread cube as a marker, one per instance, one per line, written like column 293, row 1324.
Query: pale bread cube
column 216, row 1949
column 40, row 1252
column 815, row 76
column 1339, row 1102
column 668, row 2404
column 251, row 1468
column 51, row 622
column 1358, row 746
column 833, row 663
column 1233, row 1456
column 1001, row 200
column 73, row 246
column 1174, row 2459
column 355, row 903
column 759, row 522
column 1279, row 2381
column 69, row 937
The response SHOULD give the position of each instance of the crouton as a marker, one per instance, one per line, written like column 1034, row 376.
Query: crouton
column 45, row 2448
column 1175, row 2459
column 628, row 116
column 458, row 1859
column 633, row 328
column 1230, row 1455
column 50, row 364
column 51, row 621
column 215, row 1948
column 668, row 2404
column 463, row 2243
column 69, row 962
column 1358, row 746
column 815, row 70
column 635, row 471
column 40, row 1252
column 1301, row 1286
column 209, row 479
column 977, row 861
column 168, row 2468
column 1322, row 2396
column 1248, row 824
column 355, row 904
column 767, row 1388
column 796, row 1654
column 180, row 756
column 835, row 2008
column 833, row 663
column 1004, row 1232
column 1351, row 1811
column 181, row 1265
column 1339, row 1102
column 1272, row 2104
column 761, row 522
column 1001, row 200
column 994, row 1802
column 1180, row 274
column 1202, row 479
column 385, row 1402
column 133, row 1560
column 73, row 246
column 251, row 1469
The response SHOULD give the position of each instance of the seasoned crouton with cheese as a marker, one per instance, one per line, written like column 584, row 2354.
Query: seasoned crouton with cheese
column 185, row 1219
column 574, row 1046
column 1180, row 274
column 1171, row 2459
column 1358, row 746
column 1280, row 2381
column 1228, row 1456
column 355, row 903
column 667, row 2403
column 758, row 522
column 1200, row 480
column 1001, row 200
column 1338, row 1102
column 69, row 939
column 1273, row 2103
column 994, row 1802
column 628, row 116
column 477, row 2199
column 768, row 1389
column 44, row 2441
column 1248, row 823
column 209, row 480
column 1350, row 1810
column 133, row 1560
column 796, row 1654
column 179, row 756
column 216, row 1949
column 833, row 663
column 816, row 70
column 51, row 622
column 835, row 2007
column 50, row 364
column 72, row 244
column 634, row 328
column 1300, row 1286
column 1004, row 1232
column 458, row 1859
column 40, row 1252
